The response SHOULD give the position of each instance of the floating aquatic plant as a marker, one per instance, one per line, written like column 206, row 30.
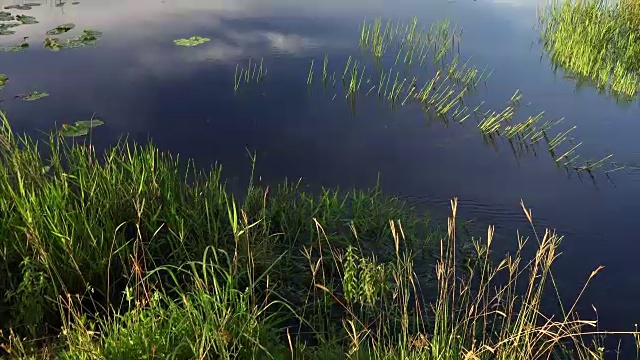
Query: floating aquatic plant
column 5, row 28
column 88, row 38
column 3, row 80
column 21, row 7
column 32, row 96
column 26, row 19
column 53, row 44
column 6, row 16
column 79, row 128
column 16, row 48
column 61, row 29
column 192, row 41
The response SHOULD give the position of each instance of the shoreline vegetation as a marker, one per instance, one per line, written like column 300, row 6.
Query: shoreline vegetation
column 596, row 41
column 122, row 255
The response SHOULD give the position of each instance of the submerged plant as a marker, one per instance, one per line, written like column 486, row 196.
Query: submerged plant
column 192, row 41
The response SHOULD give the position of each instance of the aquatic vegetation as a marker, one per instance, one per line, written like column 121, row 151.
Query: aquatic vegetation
column 6, row 16
column 16, row 48
column 596, row 40
column 88, row 37
column 170, row 264
column 253, row 71
column 26, row 19
column 5, row 28
column 406, row 48
column 53, row 44
column 61, row 29
column 22, row 7
column 3, row 80
column 32, row 96
column 79, row 128
column 192, row 41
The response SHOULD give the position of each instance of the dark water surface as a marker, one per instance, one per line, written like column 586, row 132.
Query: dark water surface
column 143, row 85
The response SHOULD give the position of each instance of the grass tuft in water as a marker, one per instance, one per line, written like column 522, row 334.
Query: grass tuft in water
column 254, row 71
column 597, row 40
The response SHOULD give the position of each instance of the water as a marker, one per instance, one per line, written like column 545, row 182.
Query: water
column 143, row 85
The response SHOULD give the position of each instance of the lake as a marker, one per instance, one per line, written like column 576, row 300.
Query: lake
column 144, row 86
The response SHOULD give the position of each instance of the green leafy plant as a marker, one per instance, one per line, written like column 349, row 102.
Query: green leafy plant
column 16, row 48
column 192, row 41
column 32, row 96
column 6, row 16
column 79, row 128
column 61, row 29
column 26, row 19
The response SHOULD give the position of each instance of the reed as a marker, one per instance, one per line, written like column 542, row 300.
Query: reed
column 597, row 40
column 255, row 71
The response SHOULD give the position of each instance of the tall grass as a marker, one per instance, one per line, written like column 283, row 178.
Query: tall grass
column 595, row 39
column 125, row 256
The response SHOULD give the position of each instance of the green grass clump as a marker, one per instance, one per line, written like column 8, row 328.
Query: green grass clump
column 598, row 40
column 245, row 76
column 129, row 255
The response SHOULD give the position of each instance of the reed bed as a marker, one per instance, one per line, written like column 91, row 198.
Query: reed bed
column 123, row 255
column 597, row 40
column 414, row 54
column 254, row 72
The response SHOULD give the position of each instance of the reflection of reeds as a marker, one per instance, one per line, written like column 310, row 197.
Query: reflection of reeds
column 254, row 71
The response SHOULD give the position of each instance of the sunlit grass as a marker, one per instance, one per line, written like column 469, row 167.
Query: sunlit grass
column 125, row 256
column 595, row 39
column 254, row 71
column 417, row 66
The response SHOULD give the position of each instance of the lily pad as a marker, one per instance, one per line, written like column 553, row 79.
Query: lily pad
column 79, row 128
column 61, row 29
column 6, row 16
column 89, row 37
column 192, row 41
column 5, row 28
column 3, row 80
column 16, row 48
column 32, row 96
column 52, row 44
column 19, row 7
column 26, row 19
